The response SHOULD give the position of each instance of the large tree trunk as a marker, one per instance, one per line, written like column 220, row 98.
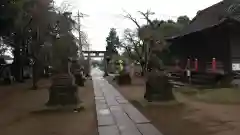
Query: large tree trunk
column 36, row 75
column 142, row 71
column 143, row 68
column 18, row 65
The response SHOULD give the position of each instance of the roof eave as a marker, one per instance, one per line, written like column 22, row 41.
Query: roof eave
column 186, row 34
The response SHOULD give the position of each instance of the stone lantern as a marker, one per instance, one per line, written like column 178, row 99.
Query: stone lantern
column 63, row 91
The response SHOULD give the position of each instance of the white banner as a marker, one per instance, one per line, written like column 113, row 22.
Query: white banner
column 236, row 66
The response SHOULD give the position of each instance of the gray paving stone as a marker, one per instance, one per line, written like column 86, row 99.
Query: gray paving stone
column 122, row 101
column 99, row 98
column 126, row 126
column 104, row 112
column 105, row 120
column 115, row 115
column 101, row 106
column 98, row 93
column 148, row 129
column 128, row 130
column 100, row 101
column 108, row 94
column 120, row 98
column 104, row 117
column 101, row 85
column 108, row 130
column 120, row 116
column 111, row 101
column 134, row 114
column 117, row 94
column 106, row 89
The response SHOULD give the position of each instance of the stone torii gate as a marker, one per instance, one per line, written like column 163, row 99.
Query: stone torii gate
column 96, row 54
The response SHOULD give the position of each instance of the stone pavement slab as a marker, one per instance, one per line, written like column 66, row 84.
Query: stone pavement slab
column 148, row 129
column 100, row 103
column 125, row 124
column 101, row 106
column 116, row 116
column 134, row 114
column 104, row 117
column 122, row 101
column 111, row 101
column 108, row 130
column 99, row 98
column 98, row 93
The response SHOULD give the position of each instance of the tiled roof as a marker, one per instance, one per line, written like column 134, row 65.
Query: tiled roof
column 213, row 16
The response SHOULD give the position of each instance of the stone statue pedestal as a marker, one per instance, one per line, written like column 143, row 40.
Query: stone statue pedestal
column 124, row 79
column 79, row 78
column 63, row 92
column 158, row 87
column 78, row 72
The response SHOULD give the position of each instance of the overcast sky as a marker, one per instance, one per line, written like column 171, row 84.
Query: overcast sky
column 106, row 14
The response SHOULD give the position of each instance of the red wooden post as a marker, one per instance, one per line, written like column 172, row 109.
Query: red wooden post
column 196, row 64
column 214, row 64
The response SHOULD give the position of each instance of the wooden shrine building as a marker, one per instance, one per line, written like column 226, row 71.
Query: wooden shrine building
column 213, row 33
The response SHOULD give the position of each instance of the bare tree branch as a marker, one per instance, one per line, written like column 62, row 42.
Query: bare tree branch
column 128, row 49
column 65, row 6
column 146, row 16
column 124, row 45
column 129, row 52
column 129, row 36
column 134, row 20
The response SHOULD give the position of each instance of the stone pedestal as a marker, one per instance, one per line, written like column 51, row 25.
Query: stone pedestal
column 79, row 79
column 63, row 91
column 158, row 87
column 124, row 79
column 77, row 72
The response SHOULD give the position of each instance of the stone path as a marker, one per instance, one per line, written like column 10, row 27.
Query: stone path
column 115, row 115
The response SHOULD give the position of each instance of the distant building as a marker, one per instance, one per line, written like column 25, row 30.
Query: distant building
column 213, row 33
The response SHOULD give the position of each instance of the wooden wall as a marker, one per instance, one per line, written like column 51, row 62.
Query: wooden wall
column 235, row 46
column 204, row 45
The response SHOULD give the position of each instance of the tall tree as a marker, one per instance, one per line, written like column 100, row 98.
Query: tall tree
column 234, row 9
column 112, row 42
column 133, row 45
column 40, row 13
column 8, row 11
column 154, row 29
column 183, row 20
column 56, row 30
column 24, row 24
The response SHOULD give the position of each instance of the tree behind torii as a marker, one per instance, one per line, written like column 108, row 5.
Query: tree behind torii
column 133, row 40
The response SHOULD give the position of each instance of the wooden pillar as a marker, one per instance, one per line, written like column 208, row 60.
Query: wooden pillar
column 196, row 64
column 227, row 49
column 214, row 64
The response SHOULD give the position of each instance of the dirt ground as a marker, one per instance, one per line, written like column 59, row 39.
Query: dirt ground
column 189, row 117
column 22, row 112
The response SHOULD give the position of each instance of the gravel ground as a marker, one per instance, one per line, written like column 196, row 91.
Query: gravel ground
column 22, row 112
